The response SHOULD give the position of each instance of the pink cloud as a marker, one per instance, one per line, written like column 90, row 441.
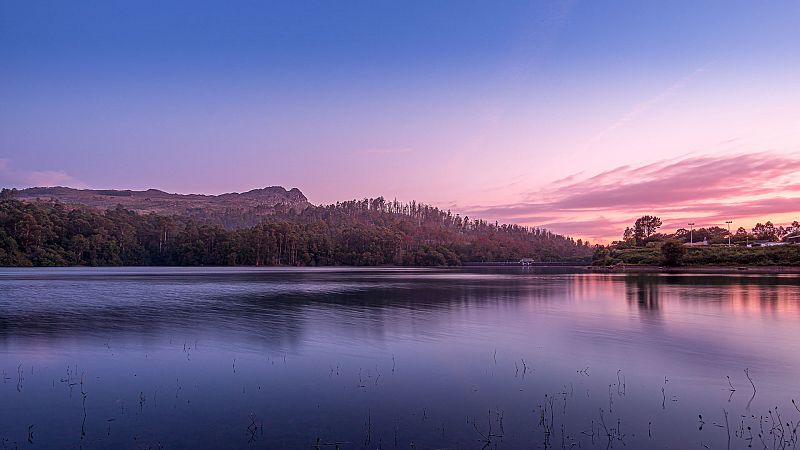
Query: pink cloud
column 702, row 188
column 12, row 177
column 691, row 179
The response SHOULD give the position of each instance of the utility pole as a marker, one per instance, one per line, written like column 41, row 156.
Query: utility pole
column 729, row 222
column 691, row 231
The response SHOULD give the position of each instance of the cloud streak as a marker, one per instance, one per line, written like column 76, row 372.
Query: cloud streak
column 647, row 105
column 710, row 189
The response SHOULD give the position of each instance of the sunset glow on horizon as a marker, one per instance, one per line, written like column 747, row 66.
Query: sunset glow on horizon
column 570, row 115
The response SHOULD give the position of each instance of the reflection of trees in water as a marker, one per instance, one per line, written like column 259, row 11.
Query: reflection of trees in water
column 348, row 305
column 643, row 290
column 420, row 308
column 281, row 310
column 757, row 294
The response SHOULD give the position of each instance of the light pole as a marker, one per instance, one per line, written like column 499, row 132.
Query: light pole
column 729, row 222
column 691, row 231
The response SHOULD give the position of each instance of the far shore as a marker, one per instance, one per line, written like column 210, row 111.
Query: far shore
column 565, row 267
column 630, row 268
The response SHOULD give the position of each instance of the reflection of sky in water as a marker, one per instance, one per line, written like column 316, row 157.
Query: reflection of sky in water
column 193, row 357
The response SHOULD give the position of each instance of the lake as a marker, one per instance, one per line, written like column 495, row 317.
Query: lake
column 396, row 358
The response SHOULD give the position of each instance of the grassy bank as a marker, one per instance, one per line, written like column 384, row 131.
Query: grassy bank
column 787, row 255
column 707, row 269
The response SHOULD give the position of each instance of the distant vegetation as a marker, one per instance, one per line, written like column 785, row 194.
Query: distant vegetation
column 360, row 232
column 642, row 244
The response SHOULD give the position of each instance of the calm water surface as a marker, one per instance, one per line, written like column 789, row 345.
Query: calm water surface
column 393, row 358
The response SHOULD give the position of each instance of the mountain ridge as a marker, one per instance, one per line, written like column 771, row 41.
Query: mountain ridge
column 231, row 210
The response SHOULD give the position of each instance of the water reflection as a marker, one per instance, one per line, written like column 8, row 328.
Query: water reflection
column 644, row 291
column 197, row 358
column 246, row 302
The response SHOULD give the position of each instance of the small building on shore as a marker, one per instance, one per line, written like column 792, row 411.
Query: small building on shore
column 526, row 261
column 793, row 239
column 702, row 243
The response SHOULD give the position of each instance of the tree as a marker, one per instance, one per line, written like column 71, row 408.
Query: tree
column 766, row 232
column 601, row 256
column 673, row 252
column 795, row 228
column 628, row 234
column 644, row 227
column 8, row 194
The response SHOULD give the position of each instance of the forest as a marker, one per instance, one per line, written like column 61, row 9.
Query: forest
column 368, row 232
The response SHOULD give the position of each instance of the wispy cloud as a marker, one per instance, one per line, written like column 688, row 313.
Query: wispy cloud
column 711, row 188
column 645, row 106
column 13, row 177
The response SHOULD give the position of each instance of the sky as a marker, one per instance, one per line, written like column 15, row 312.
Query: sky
column 578, row 116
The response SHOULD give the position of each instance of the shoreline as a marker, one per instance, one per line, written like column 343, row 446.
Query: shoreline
column 776, row 270
column 583, row 268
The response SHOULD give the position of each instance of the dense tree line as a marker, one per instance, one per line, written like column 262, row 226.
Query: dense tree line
column 357, row 232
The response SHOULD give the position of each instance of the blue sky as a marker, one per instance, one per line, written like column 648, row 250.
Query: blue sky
column 469, row 105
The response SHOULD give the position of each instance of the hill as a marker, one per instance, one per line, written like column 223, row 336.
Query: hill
column 364, row 232
column 231, row 211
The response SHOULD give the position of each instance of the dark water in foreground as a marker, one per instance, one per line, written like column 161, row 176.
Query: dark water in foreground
column 224, row 358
